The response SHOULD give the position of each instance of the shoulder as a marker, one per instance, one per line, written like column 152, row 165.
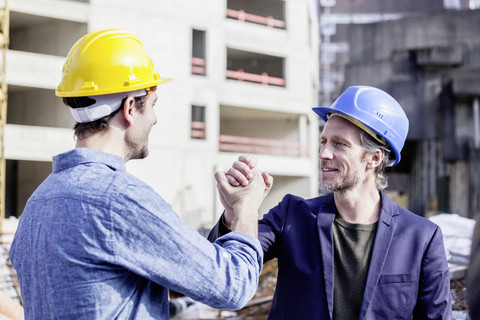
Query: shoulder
column 138, row 193
column 311, row 204
column 406, row 218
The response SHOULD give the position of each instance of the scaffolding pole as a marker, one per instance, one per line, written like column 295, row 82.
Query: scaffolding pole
column 4, row 40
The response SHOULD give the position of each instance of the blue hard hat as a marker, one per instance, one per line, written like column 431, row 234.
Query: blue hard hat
column 376, row 110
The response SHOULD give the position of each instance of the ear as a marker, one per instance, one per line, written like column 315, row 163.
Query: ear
column 129, row 110
column 376, row 158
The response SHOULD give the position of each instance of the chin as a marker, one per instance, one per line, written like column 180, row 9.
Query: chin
column 140, row 154
column 143, row 154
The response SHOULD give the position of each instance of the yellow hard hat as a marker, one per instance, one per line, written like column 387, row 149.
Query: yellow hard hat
column 107, row 61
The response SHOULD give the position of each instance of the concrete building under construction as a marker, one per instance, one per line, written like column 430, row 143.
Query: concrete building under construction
column 431, row 65
column 245, row 78
column 413, row 50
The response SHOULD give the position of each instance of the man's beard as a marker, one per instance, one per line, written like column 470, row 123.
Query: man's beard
column 340, row 183
column 137, row 151
column 140, row 154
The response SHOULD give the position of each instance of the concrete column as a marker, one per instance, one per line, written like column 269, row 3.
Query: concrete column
column 476, row 123
column 302, row 133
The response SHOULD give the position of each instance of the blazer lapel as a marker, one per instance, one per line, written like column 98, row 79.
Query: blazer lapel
column 324, row 223
column 383, row 239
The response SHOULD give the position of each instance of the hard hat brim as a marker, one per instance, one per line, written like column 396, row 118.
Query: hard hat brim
column 323, row 113
column 93, row 92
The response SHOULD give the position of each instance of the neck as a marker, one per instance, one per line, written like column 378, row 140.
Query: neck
column 108, row 141
column 359, row 205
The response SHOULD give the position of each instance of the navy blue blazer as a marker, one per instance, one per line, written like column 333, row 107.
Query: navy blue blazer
column 408, row 274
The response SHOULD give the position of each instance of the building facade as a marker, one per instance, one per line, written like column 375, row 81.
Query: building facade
column 339, row 17
column 245, row 78
column 431, row 65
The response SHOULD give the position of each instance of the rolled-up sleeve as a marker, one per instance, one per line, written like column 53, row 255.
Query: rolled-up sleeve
column 151, row 240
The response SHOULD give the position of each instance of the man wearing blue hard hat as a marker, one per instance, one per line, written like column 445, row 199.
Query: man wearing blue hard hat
column 352, row 253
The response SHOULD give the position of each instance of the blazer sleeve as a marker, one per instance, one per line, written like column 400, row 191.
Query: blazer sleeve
column 269, row 228
column 220, row 229
column 434, row 300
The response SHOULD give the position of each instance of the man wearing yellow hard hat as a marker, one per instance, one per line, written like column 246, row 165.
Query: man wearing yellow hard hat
column 94, row 242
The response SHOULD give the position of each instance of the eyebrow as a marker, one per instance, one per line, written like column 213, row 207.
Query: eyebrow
column 337, row 137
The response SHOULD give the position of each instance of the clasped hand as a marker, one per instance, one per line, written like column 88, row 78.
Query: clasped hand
column 242, row 189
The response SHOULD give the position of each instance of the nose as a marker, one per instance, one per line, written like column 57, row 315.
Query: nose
column 325, row 152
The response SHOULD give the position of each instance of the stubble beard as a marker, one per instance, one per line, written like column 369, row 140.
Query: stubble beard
column 340, row 183
column 137, row 151
column 140, row 154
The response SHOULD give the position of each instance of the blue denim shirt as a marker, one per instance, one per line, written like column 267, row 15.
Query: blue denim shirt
column 94, row 242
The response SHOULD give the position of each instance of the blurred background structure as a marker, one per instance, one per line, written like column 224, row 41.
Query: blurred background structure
column 427, row 55
column 246, row 74
column 245, row 77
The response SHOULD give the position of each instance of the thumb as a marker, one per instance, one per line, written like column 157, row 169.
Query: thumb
column 268, row 179
column 222, row 181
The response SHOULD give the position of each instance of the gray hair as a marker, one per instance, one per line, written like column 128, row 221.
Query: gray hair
column 370, row 145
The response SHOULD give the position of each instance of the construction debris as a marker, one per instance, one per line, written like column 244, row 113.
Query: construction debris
column 8, row 277
column 10, row 299
column 457, row 238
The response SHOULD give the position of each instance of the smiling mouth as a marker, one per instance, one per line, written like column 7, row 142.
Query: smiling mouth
column 329, row 170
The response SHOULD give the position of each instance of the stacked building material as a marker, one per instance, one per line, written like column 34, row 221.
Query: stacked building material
column 457, row 237
column 8, row 277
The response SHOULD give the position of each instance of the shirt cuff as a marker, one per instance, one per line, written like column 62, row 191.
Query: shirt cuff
column 245, row 239
column 222, row 226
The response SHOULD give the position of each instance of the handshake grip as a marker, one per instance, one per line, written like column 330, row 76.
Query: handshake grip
column 242, row 203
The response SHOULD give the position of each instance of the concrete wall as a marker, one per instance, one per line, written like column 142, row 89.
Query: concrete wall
column 416, row 59
column 387, row 6
column 37, row 107
column 54, row 36
column 377, row 41
column 179, row 168
column 24, row 177
column 263, row 8
column 285, row 185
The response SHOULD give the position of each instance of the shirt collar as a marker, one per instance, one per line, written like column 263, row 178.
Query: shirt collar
column 79, row 156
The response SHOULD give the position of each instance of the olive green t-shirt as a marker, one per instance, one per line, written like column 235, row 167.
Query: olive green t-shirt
column 353, row 244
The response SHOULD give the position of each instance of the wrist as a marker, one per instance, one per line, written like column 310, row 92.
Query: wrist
column 244, row 216
column 228, row 217
column 245, row 219
column 225, row 223
column 248, row 227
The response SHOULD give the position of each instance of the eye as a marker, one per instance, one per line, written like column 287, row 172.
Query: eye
column 340, row 143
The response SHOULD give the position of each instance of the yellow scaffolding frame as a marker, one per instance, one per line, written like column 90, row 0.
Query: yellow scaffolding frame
column 4, row 40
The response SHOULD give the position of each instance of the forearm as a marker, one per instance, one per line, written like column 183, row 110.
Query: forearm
column 246, row 221
column 226, row 276
column 245, row 261
column 169, row 253
column 222, row 275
